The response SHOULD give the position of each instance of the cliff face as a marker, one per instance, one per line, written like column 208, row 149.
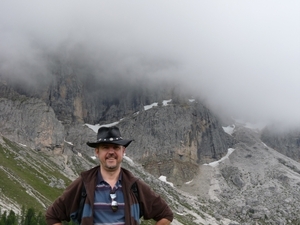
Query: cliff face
column 29, row 121
column 178, row 140
column 285, row 142
column 174, row 139
column 189, row 133
column 170, row 139
column 78, row 97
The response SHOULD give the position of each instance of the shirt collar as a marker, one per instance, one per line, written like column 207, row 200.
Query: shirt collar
column 101, row 180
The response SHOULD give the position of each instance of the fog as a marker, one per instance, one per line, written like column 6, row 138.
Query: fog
column 241, row 57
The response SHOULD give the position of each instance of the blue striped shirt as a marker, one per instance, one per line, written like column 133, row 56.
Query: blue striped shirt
column 103, row 213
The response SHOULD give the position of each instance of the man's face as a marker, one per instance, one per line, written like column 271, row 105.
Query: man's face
column 110, row 155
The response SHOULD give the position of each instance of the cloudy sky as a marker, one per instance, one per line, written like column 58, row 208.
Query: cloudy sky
column 241, row 56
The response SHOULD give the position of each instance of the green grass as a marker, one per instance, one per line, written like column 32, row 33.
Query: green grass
column 12, row 190
column 36, row 169
column 147, row 222
column 30, row 171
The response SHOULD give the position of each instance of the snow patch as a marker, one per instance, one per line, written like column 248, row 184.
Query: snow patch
column 22, row 145
column 189, row 182
column 229, row 129
column 216, row 163
column 128, row 159
column 97, row 126
column 165, row 102
column 265, row 144
column 146, row 107
column 70, row 143
column 164, row 179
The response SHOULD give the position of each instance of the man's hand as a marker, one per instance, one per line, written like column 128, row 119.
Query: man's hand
column 163, row 222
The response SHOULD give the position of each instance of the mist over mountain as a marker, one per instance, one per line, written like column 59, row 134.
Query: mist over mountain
column 242, row 59
column 208, row 91
column 176, row 136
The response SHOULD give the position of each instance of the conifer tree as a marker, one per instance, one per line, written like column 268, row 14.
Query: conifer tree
column 30, row 218
column 3, row 218
column 41, row 219
column 12, row 219
column 23, row 213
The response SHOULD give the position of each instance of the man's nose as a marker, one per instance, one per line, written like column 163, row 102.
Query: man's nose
column 111, row 149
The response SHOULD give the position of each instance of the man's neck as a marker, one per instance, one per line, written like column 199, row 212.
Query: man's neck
column 111, row 177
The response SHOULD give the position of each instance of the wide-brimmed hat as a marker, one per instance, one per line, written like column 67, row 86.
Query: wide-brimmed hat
column 110, row 135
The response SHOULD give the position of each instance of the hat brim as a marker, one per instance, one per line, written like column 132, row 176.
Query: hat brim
column 124, row 143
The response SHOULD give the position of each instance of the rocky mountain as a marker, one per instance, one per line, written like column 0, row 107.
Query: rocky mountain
column 255, row 183
column 285, row 141
column 173, row 140
column 245, row 176
column 177, row 135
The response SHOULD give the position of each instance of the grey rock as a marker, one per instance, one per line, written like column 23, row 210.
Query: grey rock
column 257, row 182
column 30, row 121
column 284, row 141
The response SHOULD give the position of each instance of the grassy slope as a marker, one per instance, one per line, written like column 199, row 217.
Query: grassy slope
column 23, row 171
column 19, row 164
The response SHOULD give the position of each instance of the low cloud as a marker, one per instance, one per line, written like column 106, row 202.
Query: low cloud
column 242, row 58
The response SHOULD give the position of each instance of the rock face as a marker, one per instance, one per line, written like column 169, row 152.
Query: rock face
column 170, row 139
column 255, row 184
column 181, row 140
column 29, row 121
column 173, row 140
column 285, row 142
column 76, row 97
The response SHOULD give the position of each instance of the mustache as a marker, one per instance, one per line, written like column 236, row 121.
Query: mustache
column 111, row 155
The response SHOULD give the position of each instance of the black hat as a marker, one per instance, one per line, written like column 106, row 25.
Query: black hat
column 109, row 135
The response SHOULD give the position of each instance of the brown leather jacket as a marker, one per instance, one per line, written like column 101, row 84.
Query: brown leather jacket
column 65, row 207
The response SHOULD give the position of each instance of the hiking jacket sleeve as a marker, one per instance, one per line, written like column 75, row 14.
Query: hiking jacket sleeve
column 153, row 205
column 64, row 205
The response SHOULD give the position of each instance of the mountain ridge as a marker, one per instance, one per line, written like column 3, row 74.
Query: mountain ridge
column 181, row 140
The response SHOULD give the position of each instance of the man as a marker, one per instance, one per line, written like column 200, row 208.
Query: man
column 111, row 198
